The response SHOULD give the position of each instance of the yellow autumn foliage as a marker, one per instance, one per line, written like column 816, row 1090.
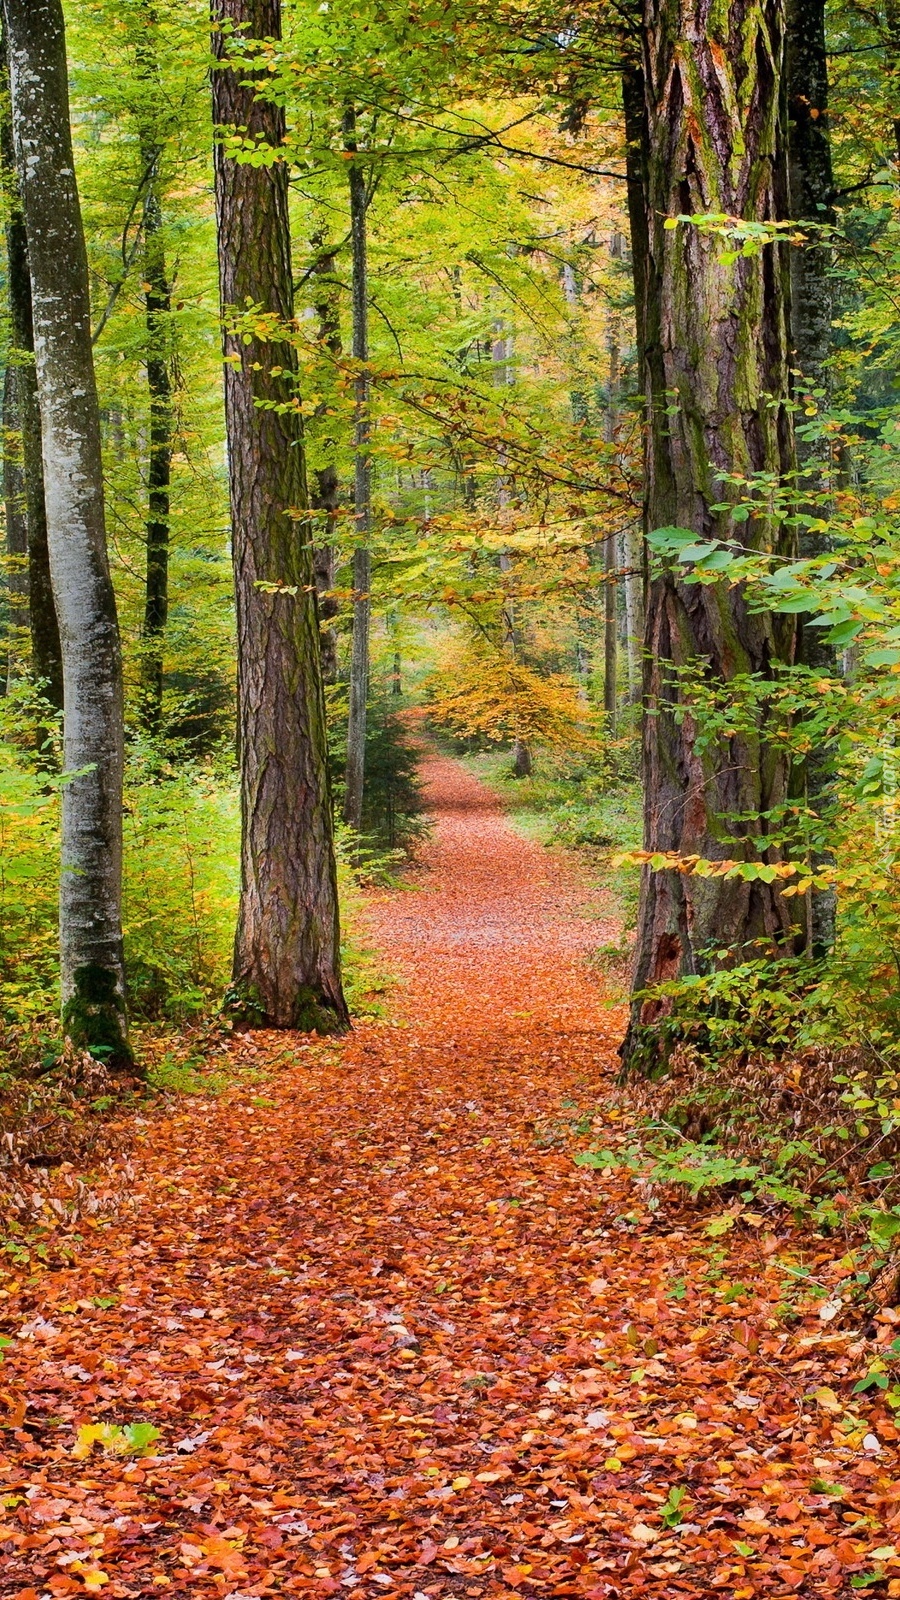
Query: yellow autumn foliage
column 484, row 693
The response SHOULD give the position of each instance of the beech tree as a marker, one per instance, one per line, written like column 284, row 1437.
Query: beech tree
column 287, row 956
column 92, row 967
column 23, row 465
column 716, row 354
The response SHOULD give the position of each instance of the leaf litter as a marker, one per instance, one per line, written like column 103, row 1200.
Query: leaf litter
column 376, row 1333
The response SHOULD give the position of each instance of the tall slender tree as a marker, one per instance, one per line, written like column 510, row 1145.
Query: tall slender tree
column 287, row 956
column 717, row 380
column 93, row 978
column 811, row 176
column 362, row 487
column 16, row 530
column 326, row 494
column 26, row 510
column 157, row 310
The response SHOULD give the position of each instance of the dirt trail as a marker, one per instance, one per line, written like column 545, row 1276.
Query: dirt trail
column 397, row 1343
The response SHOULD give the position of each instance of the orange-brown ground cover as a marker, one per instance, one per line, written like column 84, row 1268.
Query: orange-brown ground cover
column 397, row 1343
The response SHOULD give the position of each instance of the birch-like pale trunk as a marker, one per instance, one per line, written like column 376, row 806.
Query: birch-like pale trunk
column 287, row 951
column 716, row 355
column 92, row 967
column 30, row 514
column 362, row 491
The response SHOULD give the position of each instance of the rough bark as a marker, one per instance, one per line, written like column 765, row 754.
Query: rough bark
column 157, row 309
column 286, row 960
column 716, row 367
column 362, row 492
column 92, row 971
column 46, row 652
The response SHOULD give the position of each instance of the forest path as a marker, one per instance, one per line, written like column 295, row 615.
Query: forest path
column 397, row 1343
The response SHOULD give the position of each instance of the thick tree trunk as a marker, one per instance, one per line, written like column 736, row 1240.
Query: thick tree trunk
column 157, row 309
column 46, row 652
column 93, row 980
column 717, row 389
column 286, row 960
column 362, row 494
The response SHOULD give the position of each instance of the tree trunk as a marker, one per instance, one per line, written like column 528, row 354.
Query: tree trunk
column 522, row 764
column 326, row 498
column 362, row 493
column 633, row 562
column 716, row 362
column 92, row 971
column 326, row 494
column 812, row 200
column 157, row 310
column 16, row 622
column 287, row 957
column 634, row 107
column 46, row 651
column 610, row 586
column 811, row 190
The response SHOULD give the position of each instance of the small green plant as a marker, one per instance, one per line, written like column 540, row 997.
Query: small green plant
column 676, row 1505
column 188, row 1076
column 134, row 1439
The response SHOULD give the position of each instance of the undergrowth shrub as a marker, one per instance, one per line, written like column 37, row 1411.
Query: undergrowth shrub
column 180, row 891
column 393, row 816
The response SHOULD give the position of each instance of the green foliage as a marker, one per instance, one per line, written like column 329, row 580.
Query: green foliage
column 132, row 1439
column 393, row 809
column 677, row 1503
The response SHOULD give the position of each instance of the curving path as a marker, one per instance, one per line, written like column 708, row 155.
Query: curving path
column 396, row 1343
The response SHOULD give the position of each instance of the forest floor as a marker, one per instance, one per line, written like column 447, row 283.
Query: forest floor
column 396, row 1342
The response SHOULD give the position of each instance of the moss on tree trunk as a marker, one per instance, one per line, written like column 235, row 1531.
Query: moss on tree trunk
column 717, row 382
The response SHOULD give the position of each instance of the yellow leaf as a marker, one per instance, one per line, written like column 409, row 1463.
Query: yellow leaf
column 219, row 1553
column 828, row 1400
column 461, row 1483
column 92, row 1577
